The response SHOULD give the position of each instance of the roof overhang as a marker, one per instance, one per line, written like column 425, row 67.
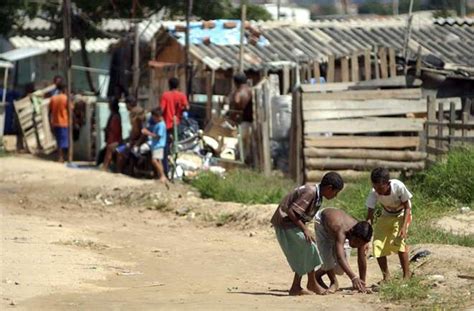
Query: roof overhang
column 22, row 53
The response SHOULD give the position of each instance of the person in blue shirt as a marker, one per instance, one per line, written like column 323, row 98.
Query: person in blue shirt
column 157, row 135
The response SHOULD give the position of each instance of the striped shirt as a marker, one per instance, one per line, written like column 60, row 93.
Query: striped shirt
column 304, row 201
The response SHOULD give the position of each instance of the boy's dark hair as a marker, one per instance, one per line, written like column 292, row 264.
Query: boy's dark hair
column 57, row 79
column 240, row 79
column 60, row 87
column 173, row 83
column 379, row 175
column 114, row 105
column 332, row 179
column 362, row 230
column 156, row 112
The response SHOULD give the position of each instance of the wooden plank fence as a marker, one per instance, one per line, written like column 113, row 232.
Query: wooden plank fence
column 33, row 116
column 353, row 131
column 445, row 130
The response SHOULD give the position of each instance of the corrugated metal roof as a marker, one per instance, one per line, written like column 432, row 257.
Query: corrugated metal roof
column 22, row 53
column 100, row 45
column 451, row 41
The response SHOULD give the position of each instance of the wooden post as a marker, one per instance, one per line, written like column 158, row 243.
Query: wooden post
column 67, row 69
column 367, row 65
column 376, row 63
column 209, row 92
column 465, row 115
column 242, row 33
column 392, row 62
column 331, row 68
column 267, row 166
column 355, row 67
column 431, row 111
column 418, row 63
column 308, row 73
column 316, row 72
column 136, row 62
column 286, row 80
column 452, row 120
column 383, row 63
column 345, row 69
column 439, row 142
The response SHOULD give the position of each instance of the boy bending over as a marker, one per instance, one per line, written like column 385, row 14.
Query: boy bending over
column 332, row 228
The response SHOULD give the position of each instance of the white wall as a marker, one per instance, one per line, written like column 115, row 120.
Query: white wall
column 292, row 14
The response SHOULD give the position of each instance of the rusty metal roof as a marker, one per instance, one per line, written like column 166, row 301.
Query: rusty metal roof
column 451, row 40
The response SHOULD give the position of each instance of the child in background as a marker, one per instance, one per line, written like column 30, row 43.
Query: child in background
column 158, row 143
column 59, row 119
column 390, row 230
column 295, row 239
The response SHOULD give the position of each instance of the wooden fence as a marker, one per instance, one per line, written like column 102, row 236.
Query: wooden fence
column 446, row 130
column 354, row 131
column 370, row 64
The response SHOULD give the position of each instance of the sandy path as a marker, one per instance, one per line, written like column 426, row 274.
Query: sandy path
column 72, row 256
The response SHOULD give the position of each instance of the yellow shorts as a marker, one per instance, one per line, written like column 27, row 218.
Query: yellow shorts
column 386, row 231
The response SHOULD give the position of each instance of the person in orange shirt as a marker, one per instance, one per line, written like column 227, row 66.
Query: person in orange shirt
column 59, row 119
column 173, row 103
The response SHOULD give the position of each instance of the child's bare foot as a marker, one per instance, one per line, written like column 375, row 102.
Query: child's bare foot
column 333, row 287
column 318, row 290
column 300, row 292
column 321, row 283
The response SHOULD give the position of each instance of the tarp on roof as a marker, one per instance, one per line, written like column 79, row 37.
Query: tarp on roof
column 218, row 35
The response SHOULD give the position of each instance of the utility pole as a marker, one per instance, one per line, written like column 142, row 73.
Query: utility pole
column 136, row 61
column 278, row 9
column 188, row 67
column 462, row 9
column 395, row 7
column 407, row 36
column 67, row 69
column 242, row 34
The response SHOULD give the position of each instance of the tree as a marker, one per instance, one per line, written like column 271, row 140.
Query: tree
column 374, row 7
column 254, row 12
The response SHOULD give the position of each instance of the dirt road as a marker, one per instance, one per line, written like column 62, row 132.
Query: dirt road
column 72, row 240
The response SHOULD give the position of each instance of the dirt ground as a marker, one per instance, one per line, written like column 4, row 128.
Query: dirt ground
column 81, row 239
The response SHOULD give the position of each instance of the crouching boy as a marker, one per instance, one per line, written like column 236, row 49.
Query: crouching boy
column 296, row 241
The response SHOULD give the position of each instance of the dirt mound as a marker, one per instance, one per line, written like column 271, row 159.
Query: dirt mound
column 461, row 224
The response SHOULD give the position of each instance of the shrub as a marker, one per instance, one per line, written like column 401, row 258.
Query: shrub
column 452, row 178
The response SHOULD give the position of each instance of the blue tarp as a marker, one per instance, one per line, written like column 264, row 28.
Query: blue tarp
column 218, row 35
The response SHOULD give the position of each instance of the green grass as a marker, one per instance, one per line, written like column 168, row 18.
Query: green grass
column 397, row 289
column 3, row 153
column 242, row 186
column 452, row 178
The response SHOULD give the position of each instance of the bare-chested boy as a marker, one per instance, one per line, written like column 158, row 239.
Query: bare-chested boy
column 333, row 226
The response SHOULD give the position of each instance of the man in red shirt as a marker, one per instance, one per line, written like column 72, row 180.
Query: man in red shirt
column 173, row 103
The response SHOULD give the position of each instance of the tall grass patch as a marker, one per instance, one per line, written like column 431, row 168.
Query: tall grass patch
column 452, row 178
column 242, row 186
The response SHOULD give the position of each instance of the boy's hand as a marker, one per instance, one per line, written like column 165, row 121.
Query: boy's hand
column 358, row 284
column 403, row 233
column 309, row 238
